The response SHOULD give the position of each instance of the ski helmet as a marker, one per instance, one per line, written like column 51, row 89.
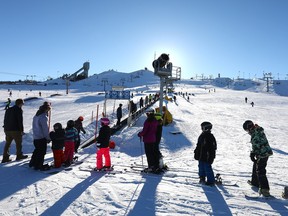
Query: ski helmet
column 206, row 126
column 70, row 124
column 57, row 126
column 105, row 121
column 248, row 125
column 81, row 118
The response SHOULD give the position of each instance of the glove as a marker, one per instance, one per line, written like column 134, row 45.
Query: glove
column 252, row 157
column 98, row 144
column 139, row 134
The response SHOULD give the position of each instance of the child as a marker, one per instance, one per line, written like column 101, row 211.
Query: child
column 205, row 153
column 58, row 136
column 71, row 137
column 102, row 143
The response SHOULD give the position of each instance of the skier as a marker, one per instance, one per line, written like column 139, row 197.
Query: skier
column 79, row 127
column 119, row 114
column 71, row 137
column 58, row 136
column 149, row 138
column 259, row 154
column 8, row 104
column 205, row 153
column 40, row 137
column 102, row 143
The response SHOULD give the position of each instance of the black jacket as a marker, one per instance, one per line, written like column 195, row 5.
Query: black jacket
column 58, row 138
column 103, row 137
column 13, row 119
column 206, row 147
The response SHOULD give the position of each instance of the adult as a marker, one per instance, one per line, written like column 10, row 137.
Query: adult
column 148, row 134
column 259, row 155
column 13, row 128
column 79, row 127
column 119, row 114
column 41, row 137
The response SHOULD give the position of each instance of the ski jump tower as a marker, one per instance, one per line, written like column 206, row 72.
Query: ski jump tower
column 167, row 73
column 82, row 73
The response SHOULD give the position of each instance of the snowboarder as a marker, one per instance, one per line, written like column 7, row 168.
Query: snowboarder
column 40, row 137
column 71, row 137
column 205, row 153
column 149, row 138
column 102, row 143
column 119, row 114
column 13, row 128
column 57, row 137
column 79, row 127
column 259, row 155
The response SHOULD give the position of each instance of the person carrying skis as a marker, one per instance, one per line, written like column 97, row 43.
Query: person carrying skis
column 40, row 137
column 148, row 134
column 205, row 153
column 57, row 137
column 102, row 143
column 71, row 137
column 79, row 127
column 259, row 155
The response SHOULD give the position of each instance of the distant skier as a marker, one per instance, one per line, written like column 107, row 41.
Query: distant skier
column 205, row 153
column 252, row 104
column 8, row 104
column 246, row 99
column 259, row 154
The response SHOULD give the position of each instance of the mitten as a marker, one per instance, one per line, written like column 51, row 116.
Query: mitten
column 252, row 157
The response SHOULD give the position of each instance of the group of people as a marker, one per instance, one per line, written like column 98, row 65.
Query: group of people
column 205, row 153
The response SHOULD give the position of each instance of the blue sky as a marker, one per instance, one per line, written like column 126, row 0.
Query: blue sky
column 204, row 37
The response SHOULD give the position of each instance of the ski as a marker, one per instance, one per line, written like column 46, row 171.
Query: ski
column 144, row 172
column 110, row 171
column 259, row 197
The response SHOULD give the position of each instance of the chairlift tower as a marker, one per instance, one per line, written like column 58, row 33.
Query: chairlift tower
column 167, row 73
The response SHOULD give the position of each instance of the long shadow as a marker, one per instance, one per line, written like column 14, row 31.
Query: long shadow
column 218, row 204
column 146, row 202
column 62, row 204
column 10, row 176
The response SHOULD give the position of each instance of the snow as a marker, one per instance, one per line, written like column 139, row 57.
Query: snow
column 25, row 191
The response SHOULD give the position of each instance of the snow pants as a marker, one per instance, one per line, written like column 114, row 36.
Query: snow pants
column 10, row 136
column 259, row 177
column 99, row 157
column 39, row 152
column 69, row 151
column 205, row 170
column 58, row 157
column 152, row 155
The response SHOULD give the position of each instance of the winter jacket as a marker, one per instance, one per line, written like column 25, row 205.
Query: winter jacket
column 79, row 126
column 149, row 130
column 71, row 135
column 57, row 138
column 206, row 147
column 260, row 145
column 103, row 137
column 119, row 112
column 40, row 126
column 13, row 119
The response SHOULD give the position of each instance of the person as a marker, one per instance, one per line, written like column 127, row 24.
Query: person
column 102, row 143
column 79, row 127
column 8, row 104
column 259, row 155
column 57, row 137
column 119, row 114
column 246, row 99
column 14, row 130
column 71, row 138
column 141, row 103
column 41, row 137
column 148, row 134
column 158, row 117
column 252, row 104
column 205, row 153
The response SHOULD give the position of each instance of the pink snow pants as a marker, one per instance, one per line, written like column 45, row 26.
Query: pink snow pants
column 103, row 152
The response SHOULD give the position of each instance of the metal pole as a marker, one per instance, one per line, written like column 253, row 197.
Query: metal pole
column 161, row 94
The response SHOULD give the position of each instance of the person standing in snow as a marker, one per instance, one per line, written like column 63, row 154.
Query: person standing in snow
column 259, row 155
column 205, row 153
column 14, row 130
column 8, row 104
column 119, row 114
column 79, row 127
column 57, row 137
column 71, row 138
column 40, row 137
column 148, row 134
column 158, row 117
column 102, row 143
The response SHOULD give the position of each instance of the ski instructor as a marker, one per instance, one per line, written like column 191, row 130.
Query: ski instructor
column 259, row 155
